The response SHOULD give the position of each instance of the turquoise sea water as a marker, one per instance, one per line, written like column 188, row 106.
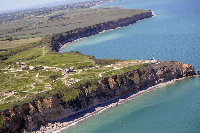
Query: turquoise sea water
column 173, row 34
column 171, row 109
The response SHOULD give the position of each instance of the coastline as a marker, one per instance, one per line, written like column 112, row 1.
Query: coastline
column 59, row 126
column 64, row 45
column 87, row 37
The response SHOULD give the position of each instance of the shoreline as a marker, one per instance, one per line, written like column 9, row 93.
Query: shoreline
column 59, row 126
column 79, row 39
column 68, row 43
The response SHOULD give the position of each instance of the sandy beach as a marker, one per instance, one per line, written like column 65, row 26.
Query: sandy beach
column 58, row 126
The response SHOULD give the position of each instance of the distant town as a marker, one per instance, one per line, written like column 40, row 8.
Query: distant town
column 41, row 12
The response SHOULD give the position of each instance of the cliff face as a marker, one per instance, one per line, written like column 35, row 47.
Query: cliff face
column 59, row 40
column 30, row 116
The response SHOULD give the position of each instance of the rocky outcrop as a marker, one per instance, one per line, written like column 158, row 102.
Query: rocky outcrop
column 198, row 72
column 58, row 40
column 30, row 116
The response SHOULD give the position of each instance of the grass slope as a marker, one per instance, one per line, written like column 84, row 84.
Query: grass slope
column 18, row 86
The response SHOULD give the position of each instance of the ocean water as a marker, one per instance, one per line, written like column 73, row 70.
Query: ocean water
column 173, row 34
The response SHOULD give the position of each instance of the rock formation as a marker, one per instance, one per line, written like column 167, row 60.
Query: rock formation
column 198, row 72
column 58, row 40
column 30, row 116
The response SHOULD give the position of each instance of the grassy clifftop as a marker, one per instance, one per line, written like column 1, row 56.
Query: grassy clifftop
column 39, row 72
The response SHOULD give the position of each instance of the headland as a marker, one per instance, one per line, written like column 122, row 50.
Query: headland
column 47, row 89
column 98, row 21
column 58, row 107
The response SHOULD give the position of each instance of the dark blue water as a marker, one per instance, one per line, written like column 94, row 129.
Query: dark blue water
column 173, row 34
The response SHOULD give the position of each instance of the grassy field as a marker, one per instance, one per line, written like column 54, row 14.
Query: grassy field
column 18, row 85
column 70, row 20
column 41, row 56
column 18, row 43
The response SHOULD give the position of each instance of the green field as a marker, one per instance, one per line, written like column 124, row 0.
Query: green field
column 17, row 86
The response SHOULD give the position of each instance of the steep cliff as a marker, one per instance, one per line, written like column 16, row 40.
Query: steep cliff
column 30, row 116
column 58, row 40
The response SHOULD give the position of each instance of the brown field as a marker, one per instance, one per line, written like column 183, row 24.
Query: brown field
column 18, row 43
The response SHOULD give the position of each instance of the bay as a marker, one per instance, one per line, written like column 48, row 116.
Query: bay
column 173, row 34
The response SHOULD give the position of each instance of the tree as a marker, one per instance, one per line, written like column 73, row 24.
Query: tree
column 9, row 38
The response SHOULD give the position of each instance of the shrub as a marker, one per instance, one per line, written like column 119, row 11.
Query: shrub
column 106, row 61
column 9, row 39
column 54, row 77
column 2, row 120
